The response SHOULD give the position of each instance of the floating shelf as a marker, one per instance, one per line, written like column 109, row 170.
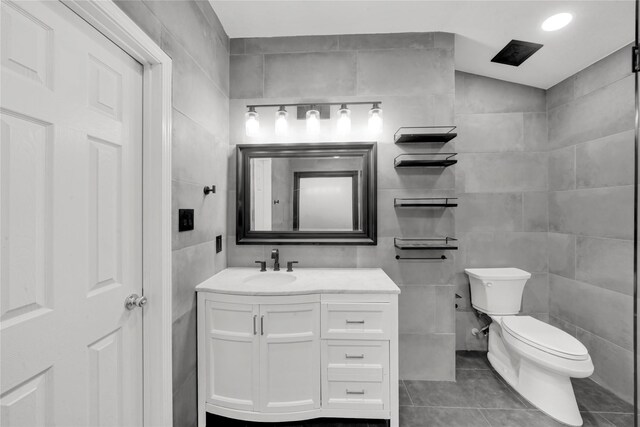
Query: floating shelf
column 424, row 160
column 425, row 202
column 424, row 134
column 421, row 244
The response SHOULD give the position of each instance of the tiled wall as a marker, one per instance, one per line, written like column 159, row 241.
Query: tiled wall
column 501, row 183
column 190, row 33
column 413, row 75
column 591, row 119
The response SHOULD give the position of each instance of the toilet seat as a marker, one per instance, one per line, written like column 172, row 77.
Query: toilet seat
column 544, row 337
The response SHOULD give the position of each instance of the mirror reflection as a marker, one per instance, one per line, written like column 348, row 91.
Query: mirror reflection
column 306, row 193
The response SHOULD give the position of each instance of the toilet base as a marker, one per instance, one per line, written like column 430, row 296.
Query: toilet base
column 549, row 391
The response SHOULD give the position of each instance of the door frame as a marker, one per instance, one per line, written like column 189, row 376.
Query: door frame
column 113, row 23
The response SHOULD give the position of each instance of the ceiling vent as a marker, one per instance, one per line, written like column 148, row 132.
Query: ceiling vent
column 516, row 52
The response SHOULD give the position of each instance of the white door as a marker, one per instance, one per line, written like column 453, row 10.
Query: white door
column 70, row 222
column 232, row 351
column 289, row 357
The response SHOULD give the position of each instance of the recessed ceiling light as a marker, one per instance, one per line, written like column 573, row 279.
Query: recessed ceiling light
column 557, row 21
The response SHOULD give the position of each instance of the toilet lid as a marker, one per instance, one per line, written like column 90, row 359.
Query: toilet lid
column 544, row 337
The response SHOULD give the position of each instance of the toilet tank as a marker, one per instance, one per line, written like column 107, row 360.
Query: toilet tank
column 497, row 291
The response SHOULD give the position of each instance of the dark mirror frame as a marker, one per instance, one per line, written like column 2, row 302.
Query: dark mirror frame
column 368, row 233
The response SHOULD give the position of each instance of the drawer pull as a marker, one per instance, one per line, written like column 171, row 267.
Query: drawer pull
column 353, row 356
column 355, row 391
column 355, row 321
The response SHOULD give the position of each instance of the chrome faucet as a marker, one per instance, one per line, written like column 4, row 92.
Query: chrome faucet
column 275, row 255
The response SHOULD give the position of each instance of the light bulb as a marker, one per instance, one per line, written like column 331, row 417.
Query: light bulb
column 557, row 21
column 282, row 126
column 344, row 120
column 313, row 121
column 252, row 125
column 375, row 120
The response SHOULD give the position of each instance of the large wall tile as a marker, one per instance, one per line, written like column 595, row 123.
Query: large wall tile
column 535, row 211
column 192, row 153
column 561, row 93
column 536, row 132
column 236, row 46
column 501, row 172
column 427, row 357
column 607, row 263
column 307, row 74
column 290, row 44
column 602, row 312
column 527, row 251
column 417, row 307
column 194, row 93
column 562, row 169
column 600, row 212
column 315, row 256
column 562, row 254
column 613, row 364
column 140, row 13
column 488, row 212
column 191, row 266
column 180, row 18
column 394, row 221
column 489, row 132
column 209, row 214
column 405, row 72
column 605, row 162
column 409, row 273
column 248, row 76
column 185, row 402
column 386, row 41
column 535, row 297
column 445, row 309
column 478, row 94
column 606, row 111
column 604, row 72
column 184, row 354
column 466, row 321
column 565, row 326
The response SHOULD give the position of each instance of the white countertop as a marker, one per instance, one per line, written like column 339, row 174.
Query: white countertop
column 302, row 281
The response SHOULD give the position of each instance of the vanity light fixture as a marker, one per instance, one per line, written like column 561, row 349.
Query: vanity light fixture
column 312, row 113
column 313, row 121
column 375, row 119
column 344, row 120
column 282, row 125
column 557, row 21
column 252, row 123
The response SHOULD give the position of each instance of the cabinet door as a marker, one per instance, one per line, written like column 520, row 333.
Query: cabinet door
column 289, row 357
column 232, row 352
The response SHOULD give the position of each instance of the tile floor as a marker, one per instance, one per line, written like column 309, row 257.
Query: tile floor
column 479, row 397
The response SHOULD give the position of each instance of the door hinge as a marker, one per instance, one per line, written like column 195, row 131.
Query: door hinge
column 635, row 59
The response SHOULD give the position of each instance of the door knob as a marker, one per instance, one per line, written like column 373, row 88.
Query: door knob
column 134, row 301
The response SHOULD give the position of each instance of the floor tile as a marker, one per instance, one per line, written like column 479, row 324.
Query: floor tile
column 472, row 389
column 518, row 417
column 472, row 360
column 618, row 420
column 412, row 416
column 595, row 398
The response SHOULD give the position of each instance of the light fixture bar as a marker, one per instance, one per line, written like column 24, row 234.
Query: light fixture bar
column 307, row 104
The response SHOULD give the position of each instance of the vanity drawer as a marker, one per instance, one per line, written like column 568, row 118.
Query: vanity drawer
column 342, row 352
column 355, row 395
column 356, row 320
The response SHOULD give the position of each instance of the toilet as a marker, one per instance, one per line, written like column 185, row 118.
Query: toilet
column 538, row 360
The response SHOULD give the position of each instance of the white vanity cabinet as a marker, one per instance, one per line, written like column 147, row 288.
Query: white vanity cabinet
column 291, row 351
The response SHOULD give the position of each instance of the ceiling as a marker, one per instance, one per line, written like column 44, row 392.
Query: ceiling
column 482, row 28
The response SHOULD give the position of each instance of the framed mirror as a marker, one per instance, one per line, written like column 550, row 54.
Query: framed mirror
column 306, row 194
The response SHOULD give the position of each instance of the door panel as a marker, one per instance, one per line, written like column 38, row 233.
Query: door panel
column 70, row 222
column 290, row 357
column 232, row 354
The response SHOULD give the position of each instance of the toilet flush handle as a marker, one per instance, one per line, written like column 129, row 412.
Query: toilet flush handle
column 488, row 284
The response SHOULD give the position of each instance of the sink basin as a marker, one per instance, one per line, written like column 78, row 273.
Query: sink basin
column 270, row 279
